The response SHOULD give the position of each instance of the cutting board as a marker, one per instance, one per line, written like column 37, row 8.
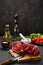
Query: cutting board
column 26, row 58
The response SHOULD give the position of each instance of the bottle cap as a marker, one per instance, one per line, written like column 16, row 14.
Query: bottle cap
column 7, row 25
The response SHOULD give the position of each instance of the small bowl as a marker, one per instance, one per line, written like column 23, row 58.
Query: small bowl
column 5, row 44
column 25, row 41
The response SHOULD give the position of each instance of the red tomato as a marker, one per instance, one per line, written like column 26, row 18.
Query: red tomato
column 41, row 42
column 38, row 39
column 34, row 39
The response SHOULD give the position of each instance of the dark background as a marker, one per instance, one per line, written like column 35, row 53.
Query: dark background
column 30, row 15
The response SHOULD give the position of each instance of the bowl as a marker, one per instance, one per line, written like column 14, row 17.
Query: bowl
column 5, row 44
column 26, row 41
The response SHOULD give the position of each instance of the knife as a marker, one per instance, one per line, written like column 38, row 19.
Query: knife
column 9, row 60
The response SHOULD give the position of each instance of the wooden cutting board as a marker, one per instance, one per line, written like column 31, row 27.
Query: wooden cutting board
column 26, row 58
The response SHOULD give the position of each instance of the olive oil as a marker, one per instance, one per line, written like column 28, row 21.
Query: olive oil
column 7, row 35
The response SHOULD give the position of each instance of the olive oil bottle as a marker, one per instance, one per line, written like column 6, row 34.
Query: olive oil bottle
column 7, row 35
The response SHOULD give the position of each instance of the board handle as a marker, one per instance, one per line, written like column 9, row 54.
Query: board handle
column 6, row 62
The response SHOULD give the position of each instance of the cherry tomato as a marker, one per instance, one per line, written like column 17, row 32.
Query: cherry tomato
column 34, row 39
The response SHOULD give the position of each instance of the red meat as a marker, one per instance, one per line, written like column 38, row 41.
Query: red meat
column 35, row 50
column 32, row 50
column 28, row 48
column 18, row 46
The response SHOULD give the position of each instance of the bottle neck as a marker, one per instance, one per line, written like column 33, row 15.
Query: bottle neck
column 15, row 21
column 7, row 28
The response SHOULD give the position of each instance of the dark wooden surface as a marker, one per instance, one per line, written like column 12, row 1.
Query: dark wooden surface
column 30, row 15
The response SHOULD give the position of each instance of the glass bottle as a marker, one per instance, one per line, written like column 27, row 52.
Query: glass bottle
column 7, row 35
column 16, row 28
